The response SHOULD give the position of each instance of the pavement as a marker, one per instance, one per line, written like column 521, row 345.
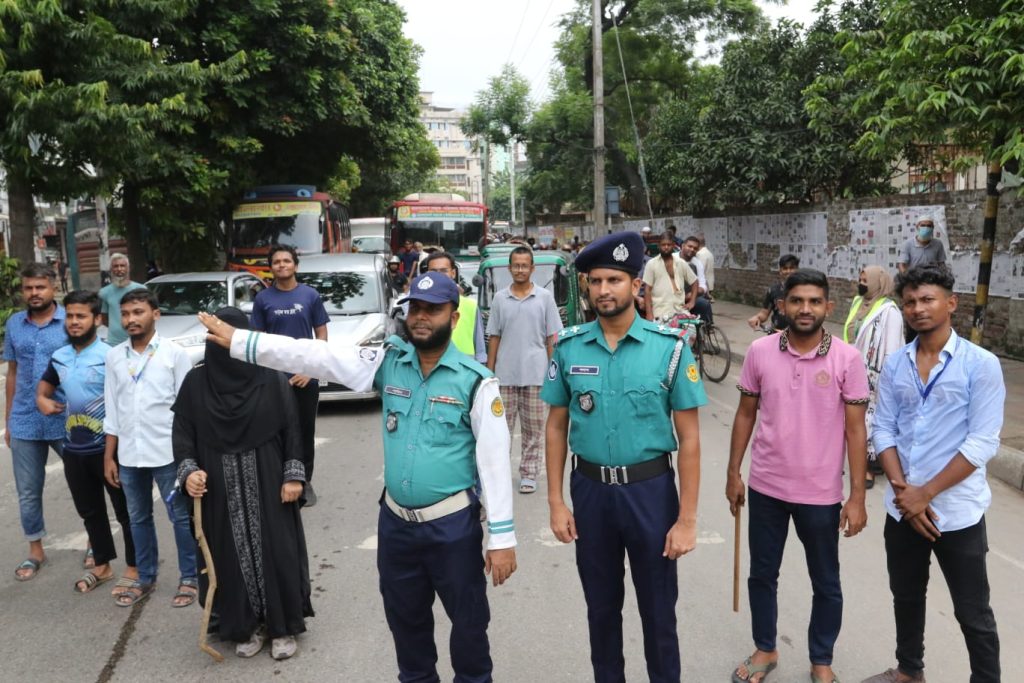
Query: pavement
column 1007, row 466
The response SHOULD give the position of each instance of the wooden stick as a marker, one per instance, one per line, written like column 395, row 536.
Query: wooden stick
column 211, row 574
column 736, row 563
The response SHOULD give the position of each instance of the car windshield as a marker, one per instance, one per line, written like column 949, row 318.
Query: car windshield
column 189, row 298
column 344, row 293
column 372, row 245
column 547, row 275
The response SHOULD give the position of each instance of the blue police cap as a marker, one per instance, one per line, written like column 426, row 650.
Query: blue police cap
column 435, row 288
column 620, row 250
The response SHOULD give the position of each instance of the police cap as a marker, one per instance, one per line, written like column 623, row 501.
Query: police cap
column 620, row 250
column 434, row 288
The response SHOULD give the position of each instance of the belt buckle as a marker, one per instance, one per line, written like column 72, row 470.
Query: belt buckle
column 411, row 515
column 610, row 475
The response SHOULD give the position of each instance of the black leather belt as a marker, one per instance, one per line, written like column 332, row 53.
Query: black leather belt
column 626, row 474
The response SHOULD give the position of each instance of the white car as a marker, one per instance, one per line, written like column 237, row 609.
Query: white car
column 360, row 304
column 183, row 295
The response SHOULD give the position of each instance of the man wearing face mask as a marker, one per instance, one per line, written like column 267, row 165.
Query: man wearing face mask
column 922, row 249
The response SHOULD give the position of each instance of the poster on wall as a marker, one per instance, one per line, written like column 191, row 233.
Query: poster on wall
column 877, row 237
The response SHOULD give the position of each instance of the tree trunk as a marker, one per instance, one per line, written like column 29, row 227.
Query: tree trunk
column 131, row 214
column 23, row 217
column 636, row 184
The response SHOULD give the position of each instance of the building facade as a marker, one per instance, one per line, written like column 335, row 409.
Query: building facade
column 461, row 160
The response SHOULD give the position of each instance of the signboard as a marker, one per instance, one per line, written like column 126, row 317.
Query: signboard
column 440, row 213
column 275, row 209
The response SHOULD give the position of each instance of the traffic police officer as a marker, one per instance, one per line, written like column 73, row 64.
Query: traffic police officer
column 444, row 435
column 616, row 387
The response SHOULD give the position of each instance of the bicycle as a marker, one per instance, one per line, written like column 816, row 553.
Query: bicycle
column 711, row 348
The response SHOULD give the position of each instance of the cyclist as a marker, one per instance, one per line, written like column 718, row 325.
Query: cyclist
column 788, row 265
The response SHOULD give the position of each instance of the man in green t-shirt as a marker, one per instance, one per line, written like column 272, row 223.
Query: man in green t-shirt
column 110, row 297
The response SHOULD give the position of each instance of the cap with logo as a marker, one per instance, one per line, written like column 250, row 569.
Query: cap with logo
column 434, row 288
column 621, row 251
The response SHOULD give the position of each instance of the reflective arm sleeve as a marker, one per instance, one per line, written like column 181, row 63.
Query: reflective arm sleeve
column 353, row 366
column 493, row 448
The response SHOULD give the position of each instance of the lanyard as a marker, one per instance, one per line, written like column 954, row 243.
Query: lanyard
column 926, row 390
column 136, row 373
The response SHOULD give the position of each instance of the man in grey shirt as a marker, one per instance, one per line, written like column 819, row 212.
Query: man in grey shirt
column 922, row 249
column 522, row 326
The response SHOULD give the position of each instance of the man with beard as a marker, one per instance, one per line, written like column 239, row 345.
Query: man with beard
column 444, row 437
column 940, row 409
column 31, row 338
column 701, row 304
column 617, row 387
column 811, row 391
column 78, row 369
column 669, row 282
column 110, row 298
column 144, row 375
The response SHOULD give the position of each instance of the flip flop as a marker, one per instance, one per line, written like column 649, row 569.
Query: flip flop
column 815, row 679
column 189, row 596
column 763, row 669
column 130, row 599
column 91, row 581
column 527, row 485
column 29, row 563
column 123, row 582
column 89, row 561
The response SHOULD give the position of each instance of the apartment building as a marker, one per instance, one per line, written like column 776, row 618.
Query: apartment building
column 461, row 163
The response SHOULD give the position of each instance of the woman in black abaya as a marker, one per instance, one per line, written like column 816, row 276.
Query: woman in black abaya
column 237, row 447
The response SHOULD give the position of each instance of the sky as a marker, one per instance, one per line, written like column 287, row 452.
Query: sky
column 466, row 42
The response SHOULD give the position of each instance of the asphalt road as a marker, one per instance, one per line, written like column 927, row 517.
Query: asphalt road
column 538, row 628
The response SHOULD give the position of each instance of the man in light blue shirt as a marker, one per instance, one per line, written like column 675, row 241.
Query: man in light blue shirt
column 937, row 422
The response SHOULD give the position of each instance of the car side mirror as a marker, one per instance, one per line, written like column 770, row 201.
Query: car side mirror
column 245, row 307
column 396, row 310
column 478, row 280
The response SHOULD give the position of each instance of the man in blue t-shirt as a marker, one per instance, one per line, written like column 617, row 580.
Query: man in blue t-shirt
column 110, row 298
column 79, row 369
column 295, row 310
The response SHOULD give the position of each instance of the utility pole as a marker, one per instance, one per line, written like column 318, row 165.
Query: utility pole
column 598, row 58
column 512, row 183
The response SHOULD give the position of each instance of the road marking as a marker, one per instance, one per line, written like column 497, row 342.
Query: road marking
column 546, row 537
column 1003, row 556
column 369, row 544
column 710, row 538
column 77, row 540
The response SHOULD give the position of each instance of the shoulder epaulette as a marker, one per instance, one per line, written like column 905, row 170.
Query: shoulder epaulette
column 570, row 332
column 475, row 366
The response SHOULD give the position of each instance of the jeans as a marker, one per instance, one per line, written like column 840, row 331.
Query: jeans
column 817, row 526
column 29, row 462
column 84, row 474
column 137, row 483
column 961, row 556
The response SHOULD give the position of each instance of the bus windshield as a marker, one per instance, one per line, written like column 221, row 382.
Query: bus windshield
column 258, row 225
column 452, row 236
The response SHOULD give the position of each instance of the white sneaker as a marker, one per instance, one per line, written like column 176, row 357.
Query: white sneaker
column 283, row 648
column 251, row 647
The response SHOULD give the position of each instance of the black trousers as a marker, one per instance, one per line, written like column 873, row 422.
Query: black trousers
column 961, row 556
column 84, row 474
column 308, row 398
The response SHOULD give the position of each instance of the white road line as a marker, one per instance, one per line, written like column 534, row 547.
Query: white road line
column 369, row 544
column 1003, row 556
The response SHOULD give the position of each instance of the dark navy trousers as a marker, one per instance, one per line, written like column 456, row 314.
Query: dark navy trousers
column 417, row 561
column 633, row 519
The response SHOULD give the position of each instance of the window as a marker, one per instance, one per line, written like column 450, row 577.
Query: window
column 453, row 162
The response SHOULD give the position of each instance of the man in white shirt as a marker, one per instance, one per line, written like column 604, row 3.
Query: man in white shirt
column 707, row 260
column 144, row 374
column 670, row 283
column 701, row 306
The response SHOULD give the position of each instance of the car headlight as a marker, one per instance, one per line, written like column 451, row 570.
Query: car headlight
column 191, row 340
column 375, row 338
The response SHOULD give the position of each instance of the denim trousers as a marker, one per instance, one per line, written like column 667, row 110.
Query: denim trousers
column 961, row 557
column 817, row 526
column 137, row 483
column 29, row 464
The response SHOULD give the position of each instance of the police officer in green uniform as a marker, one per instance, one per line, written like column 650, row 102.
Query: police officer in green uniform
column 617, row 387
column 445, row 437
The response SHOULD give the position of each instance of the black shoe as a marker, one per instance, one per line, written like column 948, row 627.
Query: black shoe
column 869, row 483
column 310, row 495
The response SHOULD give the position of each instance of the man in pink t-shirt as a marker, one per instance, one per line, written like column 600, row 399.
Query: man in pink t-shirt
column 811, row 392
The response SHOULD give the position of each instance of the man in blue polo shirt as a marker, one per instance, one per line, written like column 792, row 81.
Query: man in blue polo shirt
column 31, row 338
column 297, row 311
column 79, row 369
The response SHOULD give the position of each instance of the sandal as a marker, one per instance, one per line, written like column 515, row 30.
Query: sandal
column 136, row 593
column 89, row 561
column 89, row 581
column 815, row 679
column 125, row 583
column 763, row 669
column 187, row 597
column 527, row 485
column 31, row 564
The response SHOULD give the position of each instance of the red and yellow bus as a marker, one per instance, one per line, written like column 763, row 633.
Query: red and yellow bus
column 442, row 220
column 313, row 222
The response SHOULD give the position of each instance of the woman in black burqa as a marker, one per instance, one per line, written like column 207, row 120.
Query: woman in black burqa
column 237, row 446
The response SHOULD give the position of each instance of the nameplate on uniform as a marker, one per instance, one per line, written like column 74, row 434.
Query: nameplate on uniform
column 397, row 391
column 584, row 370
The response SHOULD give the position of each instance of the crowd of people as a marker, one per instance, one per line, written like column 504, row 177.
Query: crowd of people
column 813, row 408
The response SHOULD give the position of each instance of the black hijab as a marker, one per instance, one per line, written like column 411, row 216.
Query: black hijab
column 235, row 406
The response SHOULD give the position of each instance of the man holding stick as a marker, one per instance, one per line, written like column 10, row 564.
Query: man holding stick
column 811, row 391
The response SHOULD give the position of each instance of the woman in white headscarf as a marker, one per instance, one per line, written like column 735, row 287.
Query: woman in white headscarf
column 875, row 326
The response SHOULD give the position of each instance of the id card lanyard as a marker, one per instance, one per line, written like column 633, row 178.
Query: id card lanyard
column 926, row 390
column 136, row 372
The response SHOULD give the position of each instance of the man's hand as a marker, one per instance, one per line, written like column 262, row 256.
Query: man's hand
column 195, row 484
column 562, row 523
column 911, row 500
column 219, row 331
column 500, row 564
column 299, row 381
column 853, row 517
column 110, row 472
column 754, row 322
column 680, row 539
column 290, row 491
column 47, row 406
column 735, row 493
column 924, row 524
